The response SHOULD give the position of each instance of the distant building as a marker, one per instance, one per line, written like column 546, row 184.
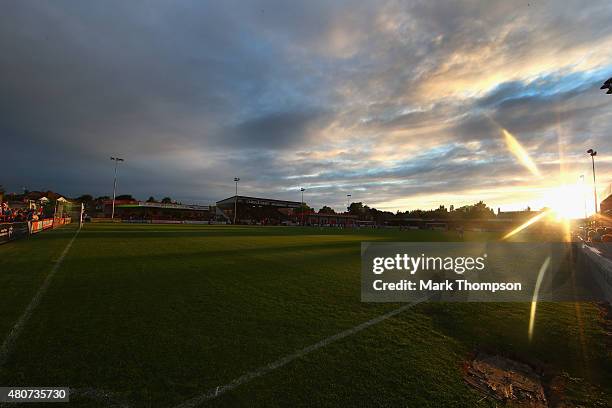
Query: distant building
column 32, row 199
column 517, row 215
column 148, row 211
column 44, row 196
column 605, row 206
column 331, row 220
column 256, row 210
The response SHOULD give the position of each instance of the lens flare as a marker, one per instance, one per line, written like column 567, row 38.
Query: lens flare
column 534, row 299
column 566, row 201
column 520, row 153
column 526, row 224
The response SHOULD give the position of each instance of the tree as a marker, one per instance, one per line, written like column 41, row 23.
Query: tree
column 356, row 208
column 440, row 212
column 166, row 200
column 85, row 198
column 48, row 209
column 103, row 198
column 305, row 208
column 326, row 210
column 124, row 197
column 475, row 211
column 151, row 200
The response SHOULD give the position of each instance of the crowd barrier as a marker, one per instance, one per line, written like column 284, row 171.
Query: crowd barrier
column 58, row 222
column 600, row 267
column 102, row 219
column 118, row 220
column 13, row 230
column 16, row 230
column 36, row 227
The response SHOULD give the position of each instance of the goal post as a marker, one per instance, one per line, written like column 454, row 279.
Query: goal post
column 68, row 212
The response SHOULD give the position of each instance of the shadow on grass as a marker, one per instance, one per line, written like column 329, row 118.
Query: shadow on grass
column 238, row 254
column 567, row 337
column 92, row 231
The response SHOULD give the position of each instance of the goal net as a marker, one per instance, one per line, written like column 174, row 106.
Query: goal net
column 68, row 213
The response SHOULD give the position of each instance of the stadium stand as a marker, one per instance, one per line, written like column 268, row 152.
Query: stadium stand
column 141, row 211
column 260, row 211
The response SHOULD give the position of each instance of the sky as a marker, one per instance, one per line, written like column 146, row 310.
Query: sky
column 399, row 103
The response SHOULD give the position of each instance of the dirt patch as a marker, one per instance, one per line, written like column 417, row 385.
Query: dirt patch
column 504, row 379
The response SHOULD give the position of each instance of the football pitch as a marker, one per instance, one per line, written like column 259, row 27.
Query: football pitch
column 189, row 315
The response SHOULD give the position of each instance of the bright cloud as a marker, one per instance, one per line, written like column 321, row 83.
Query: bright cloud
column 399, row 103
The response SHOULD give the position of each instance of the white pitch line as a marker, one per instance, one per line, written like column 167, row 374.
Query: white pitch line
column 10, row 340
column 263, row 370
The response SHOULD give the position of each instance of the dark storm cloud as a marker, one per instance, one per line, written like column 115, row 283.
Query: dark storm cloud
column 383, row 99
column 277, row 130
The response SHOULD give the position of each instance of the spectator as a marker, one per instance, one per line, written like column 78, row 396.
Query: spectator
column 5, row 212
column 460, row 231
column 4, row 209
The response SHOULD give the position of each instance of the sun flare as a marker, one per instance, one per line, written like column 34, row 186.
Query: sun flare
column 520, row 153
column 566, row 201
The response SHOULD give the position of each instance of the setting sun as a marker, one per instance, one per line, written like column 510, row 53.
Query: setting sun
column 567, row 201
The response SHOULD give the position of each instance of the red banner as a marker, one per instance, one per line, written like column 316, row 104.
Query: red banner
column 36, row 227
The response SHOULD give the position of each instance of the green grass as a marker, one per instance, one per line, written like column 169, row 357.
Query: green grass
column 157, row 314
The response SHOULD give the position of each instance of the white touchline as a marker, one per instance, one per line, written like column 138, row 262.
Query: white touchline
column 263, row 370
column 10, row 340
